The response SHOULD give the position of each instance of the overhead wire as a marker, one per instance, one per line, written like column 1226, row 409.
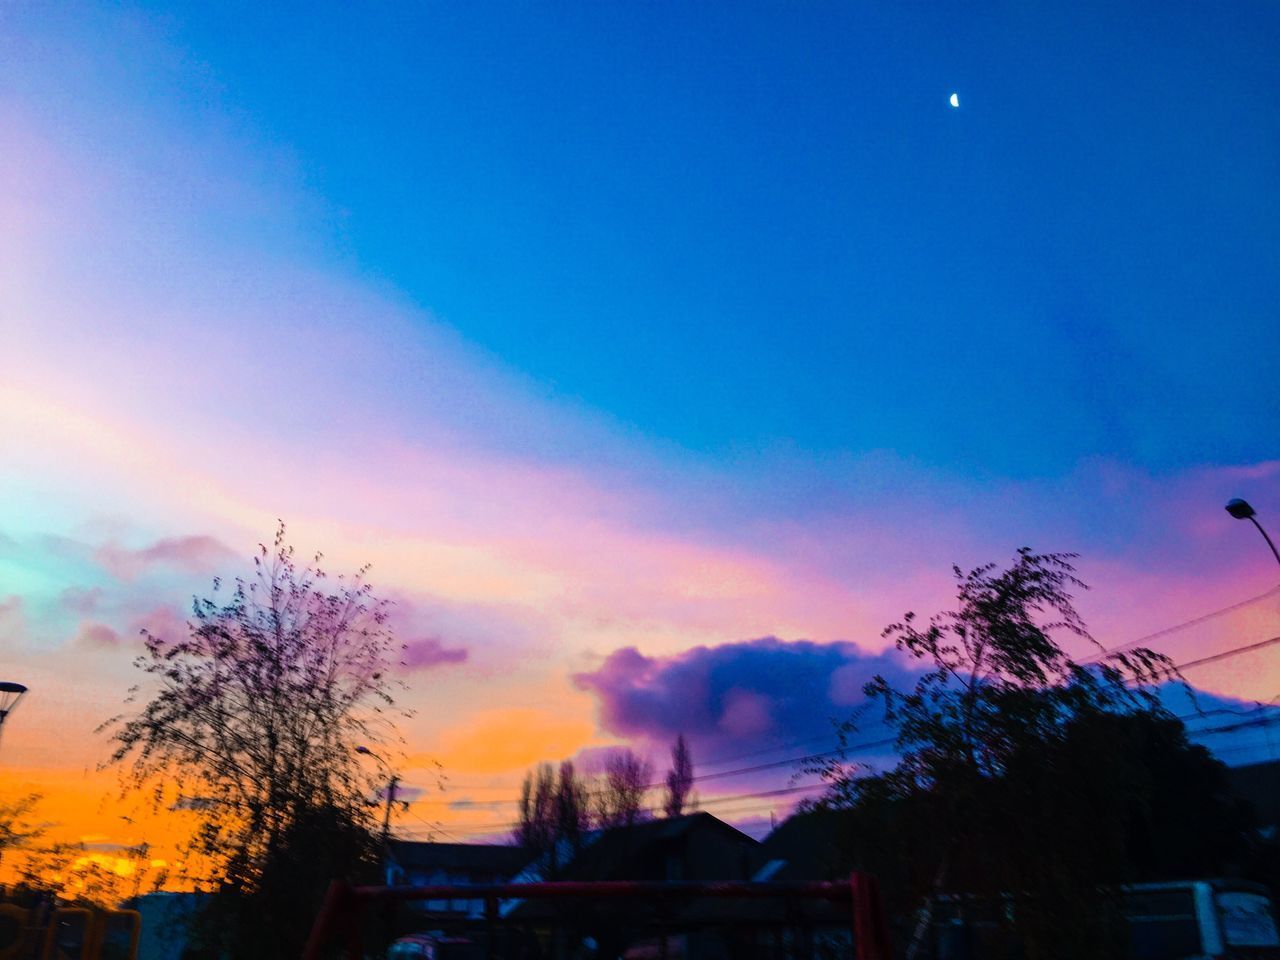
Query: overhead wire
column 866, row 745
column 1108, row 651
column 1194, row 621
column 736, row 800
column 888, row 741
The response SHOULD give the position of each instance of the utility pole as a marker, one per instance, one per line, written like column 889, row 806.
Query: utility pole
column 393, row 781
column 386, row 815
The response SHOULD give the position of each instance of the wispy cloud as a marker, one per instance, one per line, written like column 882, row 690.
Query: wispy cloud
column 97, row 635
column 194, row 553
column 85, row 600
column 428, row 652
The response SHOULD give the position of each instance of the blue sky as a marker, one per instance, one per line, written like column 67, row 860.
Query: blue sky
column 740, row 226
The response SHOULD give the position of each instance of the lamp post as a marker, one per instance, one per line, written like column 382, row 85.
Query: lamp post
column 1241, row 510
column 10, row 694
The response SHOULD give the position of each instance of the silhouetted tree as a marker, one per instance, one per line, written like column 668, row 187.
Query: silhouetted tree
column 16, row 826
column 1170, row 799
column 572, row 810
column 72, row 872
column 536, row 831
column 679, row 779
column 993, row 794
column 254, row 715
column 620, row 796
column 554, row 814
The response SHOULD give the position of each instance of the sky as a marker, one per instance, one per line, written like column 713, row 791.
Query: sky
column 655, row 356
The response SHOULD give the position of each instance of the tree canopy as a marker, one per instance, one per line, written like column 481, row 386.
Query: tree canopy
column 254, row 714
column 554, row 814
column 1026, row 774
column 679, row 793
column 619, row 796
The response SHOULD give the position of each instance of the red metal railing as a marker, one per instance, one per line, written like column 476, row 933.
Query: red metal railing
column 343, row 912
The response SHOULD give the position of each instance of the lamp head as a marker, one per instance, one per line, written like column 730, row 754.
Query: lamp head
column 10, row 694
column 1239, row 509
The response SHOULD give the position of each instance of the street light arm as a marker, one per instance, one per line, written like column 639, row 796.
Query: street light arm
column 1270, row 543
column 365, row 751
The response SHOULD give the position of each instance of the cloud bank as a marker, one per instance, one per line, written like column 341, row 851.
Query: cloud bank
column 737, row 697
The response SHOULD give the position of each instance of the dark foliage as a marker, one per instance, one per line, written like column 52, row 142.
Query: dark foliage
column 679, row 779
column 554, row 814
column 1027, row 775
column 16, row 826
column 619, row 799
column 253, row 716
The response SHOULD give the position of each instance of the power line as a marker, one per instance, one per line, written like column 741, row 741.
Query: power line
column 1241, row 725
column 718, row 801
column 435, row 828
column 1225, row 654
column 888, row 741
column 791, row 745
column 1194, row 621
column 1165, row 631
column 790, row 762
column 738, row 799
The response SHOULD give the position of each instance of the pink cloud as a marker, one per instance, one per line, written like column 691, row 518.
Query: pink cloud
column 97, row 635
column 165, row 622
column 195, row 554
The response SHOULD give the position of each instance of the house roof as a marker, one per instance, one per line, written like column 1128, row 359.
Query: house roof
column 501, row 861
column 638, row 852
column 612, row 851
column 802, row 848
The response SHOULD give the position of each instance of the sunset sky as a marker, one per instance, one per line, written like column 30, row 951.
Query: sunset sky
column 655, row 355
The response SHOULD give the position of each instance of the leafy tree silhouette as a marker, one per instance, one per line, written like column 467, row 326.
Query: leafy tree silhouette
column 251, row 719
column 679, row 779
column 1025, row 777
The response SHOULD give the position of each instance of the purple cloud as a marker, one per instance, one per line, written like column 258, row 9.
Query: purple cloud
column 431, row 652
column 737, row 697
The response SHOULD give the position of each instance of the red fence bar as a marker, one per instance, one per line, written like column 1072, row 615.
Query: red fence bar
column 343, row 906
column 607, row 890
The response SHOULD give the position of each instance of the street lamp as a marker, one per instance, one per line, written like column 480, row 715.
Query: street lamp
column 10, row 694
column 1241, row 510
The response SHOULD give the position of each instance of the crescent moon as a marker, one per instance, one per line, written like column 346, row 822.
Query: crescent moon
column 955, row 100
